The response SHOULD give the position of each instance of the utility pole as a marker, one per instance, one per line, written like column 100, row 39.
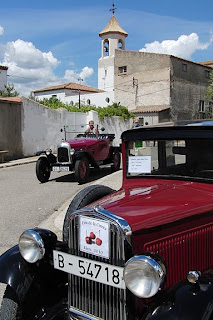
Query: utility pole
column 79, row 93
column 135, row 85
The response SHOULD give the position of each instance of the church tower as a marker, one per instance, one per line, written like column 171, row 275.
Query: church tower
column 113, row 37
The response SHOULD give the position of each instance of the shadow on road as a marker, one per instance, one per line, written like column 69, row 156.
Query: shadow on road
column 95, row 174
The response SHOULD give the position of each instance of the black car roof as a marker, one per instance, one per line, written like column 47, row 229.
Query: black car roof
column 188, row 130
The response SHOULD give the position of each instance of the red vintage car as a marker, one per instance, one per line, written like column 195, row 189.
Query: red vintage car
column 79, row 155
column 143, row 252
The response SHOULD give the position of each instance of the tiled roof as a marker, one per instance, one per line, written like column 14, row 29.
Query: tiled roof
column 113, row 27
column 207, row 63
column 148, row 109
column 3, row 68
column 70, row 86
column 10, row 99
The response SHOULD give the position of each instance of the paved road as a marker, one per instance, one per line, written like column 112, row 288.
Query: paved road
column 26, row 203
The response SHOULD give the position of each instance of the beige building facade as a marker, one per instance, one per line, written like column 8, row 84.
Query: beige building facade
column 160, row 87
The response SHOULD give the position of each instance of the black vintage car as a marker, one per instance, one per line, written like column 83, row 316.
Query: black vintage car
column 143, row 252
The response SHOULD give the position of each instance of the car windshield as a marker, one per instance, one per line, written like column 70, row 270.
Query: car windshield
column 184, row 159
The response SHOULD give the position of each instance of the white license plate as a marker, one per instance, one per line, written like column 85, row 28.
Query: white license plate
column 57, row 169
column 89, row 269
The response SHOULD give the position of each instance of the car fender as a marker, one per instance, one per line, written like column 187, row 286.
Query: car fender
column 21, row 276
column 188, row 301
column 16, row 272
column 82, row 154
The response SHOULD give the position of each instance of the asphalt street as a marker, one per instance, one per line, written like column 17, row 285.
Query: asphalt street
column 51, row 219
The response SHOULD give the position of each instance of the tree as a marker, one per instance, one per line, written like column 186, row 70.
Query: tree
column 9, row 91
column 210, row 87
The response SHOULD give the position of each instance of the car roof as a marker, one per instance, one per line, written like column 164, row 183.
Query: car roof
column 181, row 130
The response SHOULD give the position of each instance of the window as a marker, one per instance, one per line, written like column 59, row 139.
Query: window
column 207, row 74
column 106, row 48
column 107, row 100
column 88, row 101
column 120, row 45
column 210, row 106
column 201, row 106
column 54, row 95
column 122, row 70
column 184, row 67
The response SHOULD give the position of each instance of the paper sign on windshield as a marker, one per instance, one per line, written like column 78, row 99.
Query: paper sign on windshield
column 139, row 164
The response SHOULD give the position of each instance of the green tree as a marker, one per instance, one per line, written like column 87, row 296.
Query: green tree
column 210, row 87
column 9, row 91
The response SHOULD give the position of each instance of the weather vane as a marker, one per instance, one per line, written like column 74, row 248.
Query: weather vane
column 113, row 9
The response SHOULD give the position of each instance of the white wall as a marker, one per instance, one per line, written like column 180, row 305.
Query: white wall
column 41, row 126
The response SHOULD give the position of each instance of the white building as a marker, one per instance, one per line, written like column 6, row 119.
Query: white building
column 3, row 77
column 112, row 37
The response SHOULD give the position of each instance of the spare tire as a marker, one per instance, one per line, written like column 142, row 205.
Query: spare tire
column 82, row 199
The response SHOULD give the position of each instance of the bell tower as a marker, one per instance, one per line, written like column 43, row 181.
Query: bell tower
column 112, row 38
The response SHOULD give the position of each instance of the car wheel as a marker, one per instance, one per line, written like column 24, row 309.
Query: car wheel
column 43, row 169
column 116, row 159
column 82, row 170
column 82, row 199
column 10, row 309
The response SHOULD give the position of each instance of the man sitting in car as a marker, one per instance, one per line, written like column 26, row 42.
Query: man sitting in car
column 91, row 129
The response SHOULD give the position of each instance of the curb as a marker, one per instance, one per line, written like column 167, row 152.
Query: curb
column 56, row 220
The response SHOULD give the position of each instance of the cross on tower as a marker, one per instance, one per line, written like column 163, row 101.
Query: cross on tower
column 113, row 9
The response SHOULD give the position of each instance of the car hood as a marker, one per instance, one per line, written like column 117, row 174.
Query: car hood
column 80, row 142
column 152, row 202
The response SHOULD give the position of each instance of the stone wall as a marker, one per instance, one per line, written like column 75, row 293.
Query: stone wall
column 151, row 83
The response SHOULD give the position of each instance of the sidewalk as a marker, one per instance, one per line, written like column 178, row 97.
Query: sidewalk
column 18, row 162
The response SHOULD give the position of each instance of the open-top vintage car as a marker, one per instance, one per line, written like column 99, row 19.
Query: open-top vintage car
column 142, row 252
column 78, row 155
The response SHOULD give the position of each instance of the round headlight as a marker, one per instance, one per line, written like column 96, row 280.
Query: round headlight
column 143, row 276
column 31, row 246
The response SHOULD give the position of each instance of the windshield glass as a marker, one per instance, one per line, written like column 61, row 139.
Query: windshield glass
column 170, row 158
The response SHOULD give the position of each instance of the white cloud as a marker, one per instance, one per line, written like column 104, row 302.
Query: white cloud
column 30, row 69
column 183, row 47
column 86, row 72
column 1, row 30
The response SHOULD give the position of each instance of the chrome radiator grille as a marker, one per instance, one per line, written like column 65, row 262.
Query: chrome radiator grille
column 97, row 299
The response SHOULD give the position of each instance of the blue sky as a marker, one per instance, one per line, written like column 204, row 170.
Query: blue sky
column 46, row 43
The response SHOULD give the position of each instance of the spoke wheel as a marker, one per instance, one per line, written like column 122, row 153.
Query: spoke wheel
column 82, row 170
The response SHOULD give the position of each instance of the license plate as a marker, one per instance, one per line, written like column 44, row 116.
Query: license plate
column 89, row 269
column 57, row 169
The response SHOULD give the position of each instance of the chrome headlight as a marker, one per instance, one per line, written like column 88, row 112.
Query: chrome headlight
column 144, row 276
column 72, row 151
column 31, row 246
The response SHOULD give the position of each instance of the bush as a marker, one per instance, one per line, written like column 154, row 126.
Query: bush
column 112, row 110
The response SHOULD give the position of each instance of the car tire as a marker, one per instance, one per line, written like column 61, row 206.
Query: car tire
column 10, row 309
column 82, row 170
column 82, row 199
column 43, row 169
column 116, row 159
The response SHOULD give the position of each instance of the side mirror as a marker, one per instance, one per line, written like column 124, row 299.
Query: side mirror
column 102, row 129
